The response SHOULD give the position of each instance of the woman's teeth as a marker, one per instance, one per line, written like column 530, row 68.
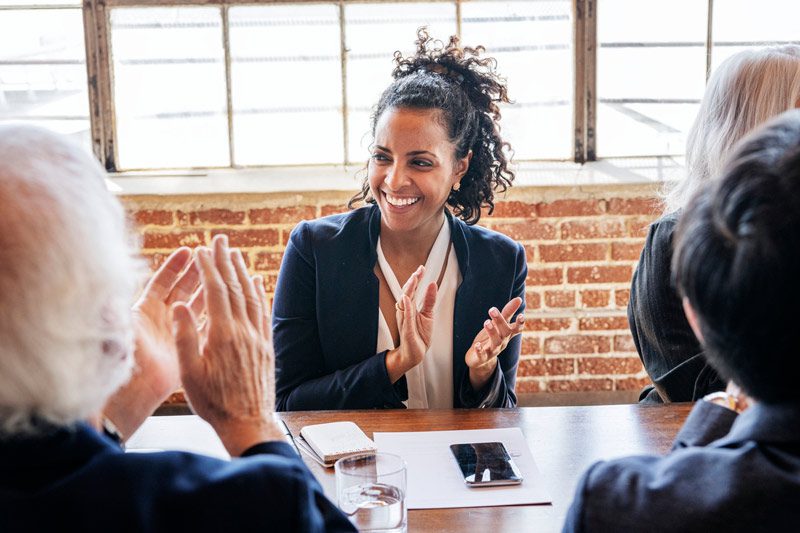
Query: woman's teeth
column 401, row 201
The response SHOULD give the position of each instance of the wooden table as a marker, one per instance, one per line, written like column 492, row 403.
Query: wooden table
column 564, row 442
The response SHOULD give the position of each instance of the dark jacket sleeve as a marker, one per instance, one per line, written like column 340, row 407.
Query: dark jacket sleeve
column 314, row 511
column 301, row 379
column 499, row 391
column 669, row 350
column 706, row 423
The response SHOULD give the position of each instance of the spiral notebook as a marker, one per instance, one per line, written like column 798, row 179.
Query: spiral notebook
column 326, row 443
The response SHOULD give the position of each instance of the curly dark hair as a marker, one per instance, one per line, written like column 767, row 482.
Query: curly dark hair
column 467, row 90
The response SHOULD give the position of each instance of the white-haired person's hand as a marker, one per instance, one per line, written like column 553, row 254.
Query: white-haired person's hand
column 156, row 373
column 228, row 370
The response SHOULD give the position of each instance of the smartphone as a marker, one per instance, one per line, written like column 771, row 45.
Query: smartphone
column 486, row 464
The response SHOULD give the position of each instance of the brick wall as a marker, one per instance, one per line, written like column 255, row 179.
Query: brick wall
column 582, row 243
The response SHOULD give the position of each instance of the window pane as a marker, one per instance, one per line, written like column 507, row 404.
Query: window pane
column 287, row 91
column 169, row 88
column 738, row 25
column 43, row 71
column 650, row 75
column 374, row 32
column 532, row 42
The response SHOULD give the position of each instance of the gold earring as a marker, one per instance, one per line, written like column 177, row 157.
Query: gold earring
column 457, row 186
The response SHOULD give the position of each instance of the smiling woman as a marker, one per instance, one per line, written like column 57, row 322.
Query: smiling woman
column 404, row 302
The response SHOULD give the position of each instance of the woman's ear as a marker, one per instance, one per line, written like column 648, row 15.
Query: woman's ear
column 462, row 165
column 691, row 316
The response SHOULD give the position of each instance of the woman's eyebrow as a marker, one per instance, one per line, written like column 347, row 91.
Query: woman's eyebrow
column 420, row 152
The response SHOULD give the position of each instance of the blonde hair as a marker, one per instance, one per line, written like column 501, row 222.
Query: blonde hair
column 68, row 275
column 746, row 90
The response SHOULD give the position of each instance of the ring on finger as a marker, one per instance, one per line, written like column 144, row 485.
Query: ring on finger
column 399, row 306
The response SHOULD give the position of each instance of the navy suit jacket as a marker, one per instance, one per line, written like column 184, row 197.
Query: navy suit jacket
column 79, row 480
column 725, row 473
column 325, row 315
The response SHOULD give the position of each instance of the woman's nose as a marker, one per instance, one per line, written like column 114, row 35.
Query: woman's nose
column 395, row 177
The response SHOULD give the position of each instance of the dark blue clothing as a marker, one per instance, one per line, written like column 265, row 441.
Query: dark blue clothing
column 667, row 346
column 79, row 480
column 325, row 315
column 725, row 473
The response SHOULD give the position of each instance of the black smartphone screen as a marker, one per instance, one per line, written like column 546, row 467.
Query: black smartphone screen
column 486, row 464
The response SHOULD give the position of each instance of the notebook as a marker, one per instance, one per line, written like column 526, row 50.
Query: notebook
column 326, row 443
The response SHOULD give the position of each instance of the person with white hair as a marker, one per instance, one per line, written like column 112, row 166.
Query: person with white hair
column 746, row 90
column 80, row 370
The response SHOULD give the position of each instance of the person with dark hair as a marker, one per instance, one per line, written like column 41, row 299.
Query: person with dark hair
column 735, row 465
column 404, row 301
column 745, row 91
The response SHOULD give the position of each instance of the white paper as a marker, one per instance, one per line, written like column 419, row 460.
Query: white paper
column 187, row 433
column 435, row 481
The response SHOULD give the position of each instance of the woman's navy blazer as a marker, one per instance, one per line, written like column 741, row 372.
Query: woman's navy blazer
column 325, row 315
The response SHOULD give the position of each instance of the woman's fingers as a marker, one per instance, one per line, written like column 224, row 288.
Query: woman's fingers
column 429, row 301
column 186, row 339
column 511, row 307
column 411, row 285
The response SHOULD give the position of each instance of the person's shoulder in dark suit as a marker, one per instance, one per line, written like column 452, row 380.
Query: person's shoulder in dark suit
column 722, row 475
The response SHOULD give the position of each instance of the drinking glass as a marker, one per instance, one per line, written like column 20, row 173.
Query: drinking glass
column 371, row 490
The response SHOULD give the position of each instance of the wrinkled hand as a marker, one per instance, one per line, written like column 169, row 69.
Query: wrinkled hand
column 497, row 331
column 156, row 373
column 228, row 372
column 415, row 326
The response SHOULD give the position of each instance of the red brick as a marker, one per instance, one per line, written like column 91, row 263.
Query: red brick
column 526, row 231
column 558, row 366
column 251, row 237
column 634, row 206
column 609, row 365
column 621, row 297
column 172, row 239
column 532, row 300
column 551, row 253
column 603, row 322
column 545, row 276
column 527, row 386
column 155, row 217
column 154, row 260
column 547, row 324
column 624, row 343
column 566, row 344
column 595, row 298
column 283, row 215
column 626, row 251
column 593, row 229
column 569, row 208
column 530, row 346
column 639, row 227
column 559, row 298
column 530, row 252
column 599, row 274
column 210, row 216
column 270, row 280
column 583, row 385
column 631, row 383
column 327, row 210
column 266, row 261
column 511, row 209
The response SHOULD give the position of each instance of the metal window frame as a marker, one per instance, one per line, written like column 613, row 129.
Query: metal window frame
column 100, row 72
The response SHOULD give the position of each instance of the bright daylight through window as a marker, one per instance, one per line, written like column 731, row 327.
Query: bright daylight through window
column 223, row 85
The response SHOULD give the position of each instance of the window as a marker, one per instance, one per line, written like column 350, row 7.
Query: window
column 188, row 84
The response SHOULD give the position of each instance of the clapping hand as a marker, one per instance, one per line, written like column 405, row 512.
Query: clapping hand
column 497, row 331
column 228, row 368
column 156, row 373
column 415, row 327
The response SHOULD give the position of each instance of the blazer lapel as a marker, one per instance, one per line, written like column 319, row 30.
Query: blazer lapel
column 462, row 338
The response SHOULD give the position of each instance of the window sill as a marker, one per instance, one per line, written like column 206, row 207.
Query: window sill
column 628, row 171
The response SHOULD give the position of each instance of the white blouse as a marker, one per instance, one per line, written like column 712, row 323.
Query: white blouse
column 430, row 384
